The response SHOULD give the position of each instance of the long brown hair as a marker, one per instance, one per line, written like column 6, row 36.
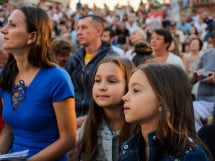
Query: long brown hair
column 37, row 21
column 88, row 144
column 176, row 130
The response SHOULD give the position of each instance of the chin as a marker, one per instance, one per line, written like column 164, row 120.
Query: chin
column 128, row 120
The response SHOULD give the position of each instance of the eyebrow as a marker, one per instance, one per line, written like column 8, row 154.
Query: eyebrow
column 136, row 84
column 11, row 20
column 115, row 76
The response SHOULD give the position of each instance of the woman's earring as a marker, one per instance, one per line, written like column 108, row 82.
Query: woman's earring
column 160, row 108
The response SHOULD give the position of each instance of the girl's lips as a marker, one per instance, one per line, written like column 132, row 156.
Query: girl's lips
column 126, row 108
column 102, row 96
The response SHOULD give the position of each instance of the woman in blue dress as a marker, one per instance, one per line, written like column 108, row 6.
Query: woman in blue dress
column 38, row 96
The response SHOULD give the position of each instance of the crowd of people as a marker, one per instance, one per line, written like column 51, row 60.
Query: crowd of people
column 101, row 84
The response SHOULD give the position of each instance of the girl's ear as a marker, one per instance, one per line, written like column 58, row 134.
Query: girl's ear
column 32, row 38
column 160, row 108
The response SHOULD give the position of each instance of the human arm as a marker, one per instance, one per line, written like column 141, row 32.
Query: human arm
column 6, row 138
column 72, row 155
column 6, row 135
column 66, row 122
column 195, row 76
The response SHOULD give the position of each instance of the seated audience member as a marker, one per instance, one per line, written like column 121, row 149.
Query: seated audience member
column 142, row 52
column 136, row 35
column 105, row 128
column 164, row 111
column 109, row 36
column 174, row 47
column 204, row 74
column 61, row 50
column 160, row 42
column 190, row 59
column 122, row 35
column 83, row 62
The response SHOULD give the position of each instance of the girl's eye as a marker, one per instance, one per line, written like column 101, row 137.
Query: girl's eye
column 112, row 81
column 135, row 90
column 97, row 80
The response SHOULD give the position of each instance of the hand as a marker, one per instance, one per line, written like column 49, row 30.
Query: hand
column 210, row 78
column 198, row 72
column 195, row 76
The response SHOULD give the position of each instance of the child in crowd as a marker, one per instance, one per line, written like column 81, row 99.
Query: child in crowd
column 105, row 128
column 164, row 111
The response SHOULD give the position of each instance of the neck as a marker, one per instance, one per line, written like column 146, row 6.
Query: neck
column 148, row 126
column 26, row 71
column 114, row 118
column 195, row 53
column 22, row 61
column 93, row 48
column 145, row 132
column 161, row 55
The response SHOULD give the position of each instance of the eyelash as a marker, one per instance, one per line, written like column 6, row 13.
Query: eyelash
column 110, row 81
column 135, row 90
column 97, row 81
column 11, row 24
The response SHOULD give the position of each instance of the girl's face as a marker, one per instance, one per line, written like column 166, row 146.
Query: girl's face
column 109, row 85
column 141, row 103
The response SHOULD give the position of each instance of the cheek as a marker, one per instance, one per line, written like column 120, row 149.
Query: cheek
column 118, row 91
column 147, row 103
column 94, row 91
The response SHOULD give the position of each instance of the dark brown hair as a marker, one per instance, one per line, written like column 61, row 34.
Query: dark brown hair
column 143, row 53
column 166, row 34
column 59, row 44
column 176, row 126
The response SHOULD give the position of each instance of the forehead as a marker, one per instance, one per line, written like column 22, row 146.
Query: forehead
column 106, row 33
column 138, row 76
column 134, row 32
column 154, row 34
column 194, row 41
column 109, row 68
column 16, row 15
column 85, row 21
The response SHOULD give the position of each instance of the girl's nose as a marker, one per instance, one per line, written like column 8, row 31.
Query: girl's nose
column 125, row 98
column 103, row 87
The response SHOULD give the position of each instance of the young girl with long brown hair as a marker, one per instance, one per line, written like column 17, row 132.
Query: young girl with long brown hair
column 105, row 128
